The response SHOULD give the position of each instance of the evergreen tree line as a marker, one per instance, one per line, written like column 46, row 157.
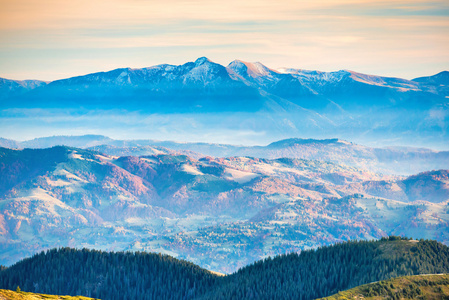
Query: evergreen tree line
column 326, row 271
column 308, row 275
column 108, row 275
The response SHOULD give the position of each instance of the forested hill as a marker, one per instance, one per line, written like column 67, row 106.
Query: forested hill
column 309, row 275
column 108, row 275
column 328, row 270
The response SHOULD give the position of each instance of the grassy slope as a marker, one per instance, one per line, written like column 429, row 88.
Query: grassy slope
column 11, row 295
column 408, row 287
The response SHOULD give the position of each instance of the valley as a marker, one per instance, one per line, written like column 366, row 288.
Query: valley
column 219, row 213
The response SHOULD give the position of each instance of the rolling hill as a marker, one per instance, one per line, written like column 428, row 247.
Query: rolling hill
column 390, row 160
column 195, row 208
column 431, row 287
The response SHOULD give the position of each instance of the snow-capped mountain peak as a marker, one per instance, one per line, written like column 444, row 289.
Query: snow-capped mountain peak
column 205, row 71
column 254, row 70
column 202, row 60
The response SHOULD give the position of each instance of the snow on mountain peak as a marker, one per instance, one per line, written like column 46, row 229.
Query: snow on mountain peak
column 285, row 70
column 246, row 69
column 204, row 70
column 165, row 67
column 315, row 75
column 201, row 61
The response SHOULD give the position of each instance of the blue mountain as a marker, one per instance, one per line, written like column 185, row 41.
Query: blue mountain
column 251, row 97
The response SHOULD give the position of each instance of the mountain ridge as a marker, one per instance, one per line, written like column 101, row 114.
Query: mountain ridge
column 251, row 65
column 203, row 98
column 389, row 160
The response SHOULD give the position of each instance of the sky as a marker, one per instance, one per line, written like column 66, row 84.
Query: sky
column 53, row 39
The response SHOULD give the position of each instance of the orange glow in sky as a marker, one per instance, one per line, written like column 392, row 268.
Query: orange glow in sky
column 52, row 39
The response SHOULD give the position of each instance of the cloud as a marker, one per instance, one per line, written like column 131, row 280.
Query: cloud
column 75, row 37
column 55, row 14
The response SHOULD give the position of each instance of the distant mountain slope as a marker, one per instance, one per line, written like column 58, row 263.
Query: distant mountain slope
column 7, row 143
column 204, row 77
column 438, row 83
column 203, row 98
column 432, row 186
column 428, row 185
column 11, row 295
column 430, row 287
column 18, row 87
column 142, row 150
column 18, row 166
column 307, row 275
column 391, row 160
column 83, row 141
column 192, row 208
column 195, row 86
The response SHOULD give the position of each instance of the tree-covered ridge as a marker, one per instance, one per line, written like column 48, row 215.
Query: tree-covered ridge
column 108, row 275
column 327, row 270
column 20, row 295
column 429, row 287
column 308, row 275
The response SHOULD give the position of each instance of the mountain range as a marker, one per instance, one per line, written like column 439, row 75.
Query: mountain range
column 220, row 213
column 243, row 101
column 273, row 169
column 387, row 160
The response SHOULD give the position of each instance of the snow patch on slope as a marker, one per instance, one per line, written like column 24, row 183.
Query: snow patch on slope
column 239, row 176
column 191, row 170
